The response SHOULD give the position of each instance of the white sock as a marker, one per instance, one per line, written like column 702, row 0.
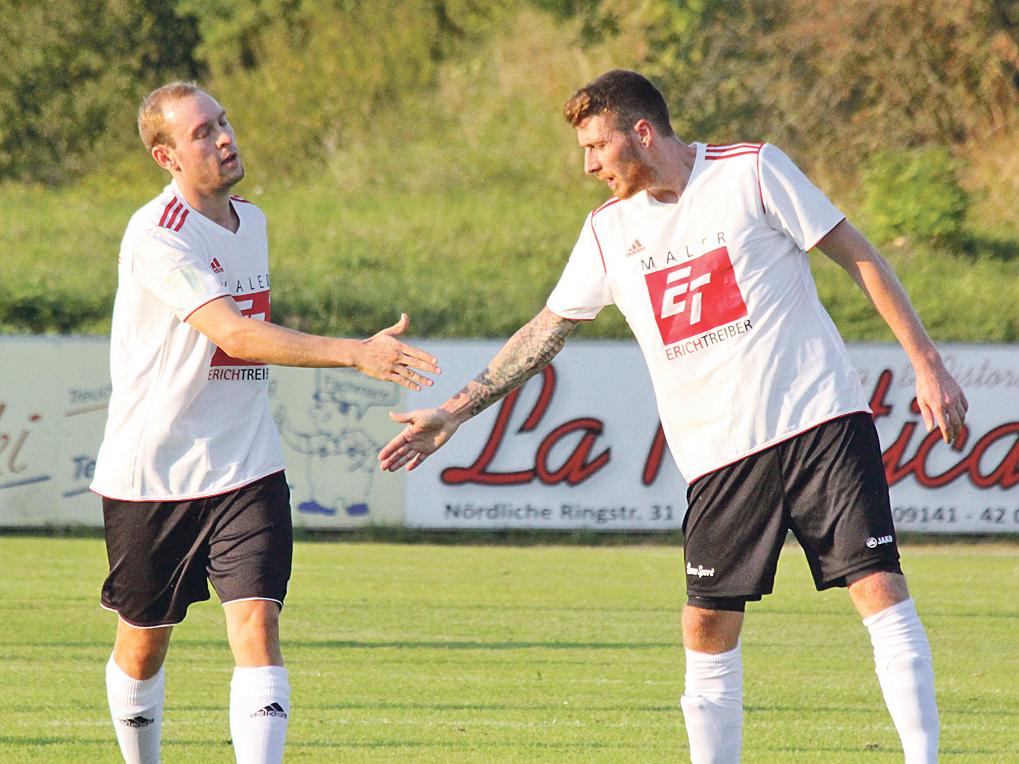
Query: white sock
column 713, row 706
column 902, row 659
column 259, row 712
column 137, row 709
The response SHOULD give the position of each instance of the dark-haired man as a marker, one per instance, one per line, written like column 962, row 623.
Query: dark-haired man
column 190, row 468
column 704, row 250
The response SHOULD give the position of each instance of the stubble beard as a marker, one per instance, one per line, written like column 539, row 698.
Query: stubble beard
column 639, row 176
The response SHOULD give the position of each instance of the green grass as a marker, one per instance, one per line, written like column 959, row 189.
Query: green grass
column 462, row 263
column 431, row 653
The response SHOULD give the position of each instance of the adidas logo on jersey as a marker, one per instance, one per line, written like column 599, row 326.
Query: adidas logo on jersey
column 635, row 248
column 216, row 267
column 137, row 721
column 273, row 709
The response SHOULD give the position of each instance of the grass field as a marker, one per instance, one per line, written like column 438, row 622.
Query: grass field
column 429, row 653
column 462, row 263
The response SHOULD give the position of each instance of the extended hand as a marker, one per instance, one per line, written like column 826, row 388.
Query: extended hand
column 942, row 402
column 384, row 357
column 426, row 431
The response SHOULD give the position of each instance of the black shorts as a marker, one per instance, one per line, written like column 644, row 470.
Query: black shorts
column 827, row 485
column 162, row 554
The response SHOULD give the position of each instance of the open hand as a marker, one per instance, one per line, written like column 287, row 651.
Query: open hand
column 942, row 403
column 426, row 431
column 384, row 357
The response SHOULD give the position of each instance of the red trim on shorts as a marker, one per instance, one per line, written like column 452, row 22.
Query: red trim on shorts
column 777, row 442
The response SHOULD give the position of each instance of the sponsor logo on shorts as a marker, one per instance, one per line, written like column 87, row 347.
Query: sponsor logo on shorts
column 136, row 721
column 273, row 709
column 699, row 571
column 876, row 542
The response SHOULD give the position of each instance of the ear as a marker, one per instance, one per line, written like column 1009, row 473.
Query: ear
column 645, row 132
column 165, row 157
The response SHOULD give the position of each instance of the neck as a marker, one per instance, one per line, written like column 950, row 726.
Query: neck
column 215, row 206
column 673, row 165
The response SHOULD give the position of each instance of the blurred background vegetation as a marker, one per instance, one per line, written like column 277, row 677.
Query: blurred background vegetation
column 411, row 155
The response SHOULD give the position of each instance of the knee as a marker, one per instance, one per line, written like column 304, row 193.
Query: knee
column 253, row 632
column 140, row 653
column 878, row 591
column 711, row 631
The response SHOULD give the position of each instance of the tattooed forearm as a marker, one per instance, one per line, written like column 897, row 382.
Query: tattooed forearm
column 525, row 354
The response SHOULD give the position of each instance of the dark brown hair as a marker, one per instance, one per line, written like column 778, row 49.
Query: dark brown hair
column 627, row 96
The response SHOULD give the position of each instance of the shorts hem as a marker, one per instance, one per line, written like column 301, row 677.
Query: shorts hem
column 279, row 602
column 134, row 625
column 877, row 565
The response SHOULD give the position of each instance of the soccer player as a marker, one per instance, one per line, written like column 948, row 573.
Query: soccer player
column 190, row 470
column 704, row 250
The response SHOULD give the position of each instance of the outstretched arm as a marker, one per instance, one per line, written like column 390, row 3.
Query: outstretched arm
column 942, row 402
column 525, row 354
column 382, row 356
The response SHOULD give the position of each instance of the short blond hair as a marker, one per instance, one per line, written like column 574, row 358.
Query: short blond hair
column 152, row 113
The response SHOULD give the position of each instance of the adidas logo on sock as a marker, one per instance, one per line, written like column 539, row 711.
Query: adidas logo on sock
column 273, row 709
column 137, row 721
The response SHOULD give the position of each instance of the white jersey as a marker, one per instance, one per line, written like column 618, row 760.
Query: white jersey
column 717, row 290
column 185, row 419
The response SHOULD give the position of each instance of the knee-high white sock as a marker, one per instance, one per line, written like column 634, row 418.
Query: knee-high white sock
column 136, row 706
column 259, row 712
column 713, row 706
column 902, row 659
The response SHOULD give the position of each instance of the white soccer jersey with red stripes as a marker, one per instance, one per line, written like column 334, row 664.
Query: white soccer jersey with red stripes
column 717, row 290
column 185, row 419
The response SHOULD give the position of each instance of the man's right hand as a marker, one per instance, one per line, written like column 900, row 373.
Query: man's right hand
column 426, row 431
column 384, row 357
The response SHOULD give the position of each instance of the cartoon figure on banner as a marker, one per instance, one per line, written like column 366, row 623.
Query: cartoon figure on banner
column 338, row 454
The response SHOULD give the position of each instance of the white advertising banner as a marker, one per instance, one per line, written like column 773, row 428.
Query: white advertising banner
column 579, row 446
column 53, row 397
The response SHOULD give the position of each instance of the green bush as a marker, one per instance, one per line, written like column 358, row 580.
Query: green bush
column 74, row 72
column 914, row 193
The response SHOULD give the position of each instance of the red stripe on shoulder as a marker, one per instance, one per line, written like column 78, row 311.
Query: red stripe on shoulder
column 717, row 147
column 173, row 218
column 760, row 185
column 166, row 210
column 601, row 252
column 180, row 223
column 609, row 203
column 727, row 151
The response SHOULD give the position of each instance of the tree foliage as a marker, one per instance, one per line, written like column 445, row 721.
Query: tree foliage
column 73, row 75
column 310, row 81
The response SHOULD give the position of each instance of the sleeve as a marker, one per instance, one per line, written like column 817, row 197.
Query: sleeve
column 792, row 204
column 583, row 289
column 171, row 269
